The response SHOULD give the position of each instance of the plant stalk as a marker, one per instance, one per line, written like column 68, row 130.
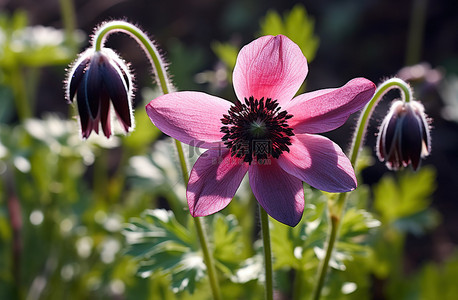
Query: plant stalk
column 267, row 253
column 336, row 209
column 160, row 72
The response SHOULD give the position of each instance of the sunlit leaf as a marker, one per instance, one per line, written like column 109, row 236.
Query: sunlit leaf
column 296, row 25
column 161, row 244
column 409, row 196
column 34, row 46
column 439, row 281
column 251, row 269
column 226, row 52
column 226, row 238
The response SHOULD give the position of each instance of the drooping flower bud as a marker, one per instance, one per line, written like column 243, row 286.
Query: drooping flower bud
column 101, row 79
column 404, row 136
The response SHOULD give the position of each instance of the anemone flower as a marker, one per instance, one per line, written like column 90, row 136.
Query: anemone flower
column 268, row 132
column 100, row 79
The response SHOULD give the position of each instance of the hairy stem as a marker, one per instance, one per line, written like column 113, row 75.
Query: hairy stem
column 18, row 84
column 200, row 228
column 267, row 252
column 160, row 72
column 67, row 11
column 336, row 209
column 157, row 63
column 415, row 35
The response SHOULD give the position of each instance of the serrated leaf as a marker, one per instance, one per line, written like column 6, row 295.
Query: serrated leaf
column 161, row 244
column 439, row 281
column 418, row 223
column 407, row 196
column 251, row 269
column 226, row 238
column 357, row 222
column 296, row 247
column 158, row 174
column 292, row 246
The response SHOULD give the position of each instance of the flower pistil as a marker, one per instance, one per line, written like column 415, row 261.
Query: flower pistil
column 256, row 129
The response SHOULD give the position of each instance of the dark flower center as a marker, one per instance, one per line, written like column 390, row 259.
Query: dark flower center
column 256, row 129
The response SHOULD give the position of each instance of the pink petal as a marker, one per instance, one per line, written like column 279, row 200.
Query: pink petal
column 279, row 193
column 270, row 67
column 193, row 118
column 319, row 162
column 213, row 182
column 325, row 110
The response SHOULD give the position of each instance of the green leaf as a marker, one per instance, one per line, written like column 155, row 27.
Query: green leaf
column 251, row 269
column 298, row 247
column 227, row 238
column 33, row 46
column 294, row 246
column 409, row 196
column 185, row 62
column 357, row 222
column 140, row 139
column 296, row 25
column 157, row 174
column 439, row 282
column 161, row 244
column 226, row 52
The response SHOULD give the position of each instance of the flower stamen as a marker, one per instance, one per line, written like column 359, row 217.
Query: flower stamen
column 256, row 129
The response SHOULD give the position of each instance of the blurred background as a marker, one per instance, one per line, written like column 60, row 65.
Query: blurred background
column 374, row 39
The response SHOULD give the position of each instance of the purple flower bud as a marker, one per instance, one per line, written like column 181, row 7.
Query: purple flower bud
column 404, row 137
column 100, row 79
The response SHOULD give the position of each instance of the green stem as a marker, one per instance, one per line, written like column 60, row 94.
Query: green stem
column 159, row 68
column 208, row 258
column 335, row 221
column 393, row 83
column 200, row 228
column 23, row 105
column 67, row 10
column 336, row 209
column 298, row 284
column 416, row 28
column 164, row 83
column 267, row 252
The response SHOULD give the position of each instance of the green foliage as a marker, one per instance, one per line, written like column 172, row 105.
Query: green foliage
column 23, row 49
column 185, row 61
column 157, row 175
column 403, row 206
column 439, row 281
column 74, row 196
column 302, row 248
column 227, row 243
column 296, row 25
column 32, row 46
column 139, row 140
column 295, row 247
column 407, row 196
column 71, row 241
column 160, row 243
column 226, row 52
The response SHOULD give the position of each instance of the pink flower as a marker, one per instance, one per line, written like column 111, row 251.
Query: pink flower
column 268, row 133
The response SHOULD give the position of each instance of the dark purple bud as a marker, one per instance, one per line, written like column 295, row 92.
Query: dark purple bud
column 99, row 79
column 403, row 137
column 75, row 79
